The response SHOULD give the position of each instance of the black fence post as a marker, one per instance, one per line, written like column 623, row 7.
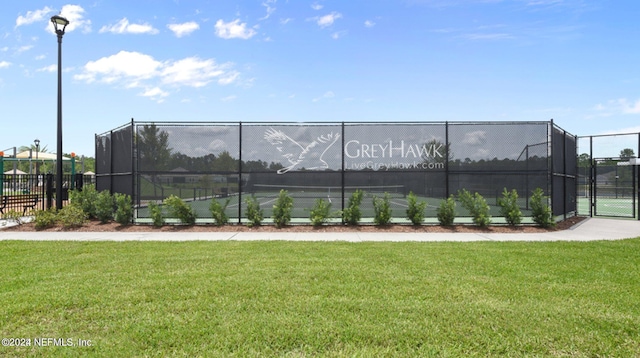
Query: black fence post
column 49, row 190
column 79, row 180
column 446, row 162
column 239, row 174
column 342, row 183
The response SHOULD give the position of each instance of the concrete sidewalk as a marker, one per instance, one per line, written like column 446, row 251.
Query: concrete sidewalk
column 590, row 229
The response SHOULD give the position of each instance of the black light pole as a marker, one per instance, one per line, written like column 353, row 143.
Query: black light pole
column 59, row 24
column 37, row 143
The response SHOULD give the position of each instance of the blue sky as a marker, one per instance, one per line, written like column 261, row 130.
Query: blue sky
column 576, row 61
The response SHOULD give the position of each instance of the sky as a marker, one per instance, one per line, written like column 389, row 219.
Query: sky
column 574, row 61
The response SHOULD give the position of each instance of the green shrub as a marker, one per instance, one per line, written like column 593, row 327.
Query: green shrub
column 71, row 216
column 320, row 212
column 253, row 212
column 86, row 199
column 540, row 209
column 446, row 212
column 155, row 211
column 382, row 210
column 282, row 209
column 415, row 209
column 44, row 219
column 104, row 206
column 509, row 207
column 124, row 209
column 218, row 211
column 477, row 207
column 179, row 209
column 13, row 215
column 352, row 214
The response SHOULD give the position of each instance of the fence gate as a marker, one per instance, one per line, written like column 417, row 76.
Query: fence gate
column 614, row 187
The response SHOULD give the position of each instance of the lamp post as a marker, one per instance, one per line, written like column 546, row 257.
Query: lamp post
column 37, row 143
column 59, row 24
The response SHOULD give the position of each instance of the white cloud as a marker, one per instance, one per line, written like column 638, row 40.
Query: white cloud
column 4, row 49
column 233, row 30
column 544, row 2
column 285, row 21
column 229, row 98
column 328, row 20
column 217, row 145
column 192, row 72
column 155, row 94
column 338, row 34
column 316, row 6
column 270, row 5
column 630, row 108
column 326, row 95
column 33, row 16
column 40, row 57
column 369, row 23
column 123, row 66
column 50, row 68
column 4, row 64
column 137, row 70
column 618, row 106
column 124, row 27
column 183, row 29
column 228, row 78
column 475, row 138
column 489, row 36
column 24, row 48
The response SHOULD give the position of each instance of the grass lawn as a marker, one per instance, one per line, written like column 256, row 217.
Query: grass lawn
column 298, row 299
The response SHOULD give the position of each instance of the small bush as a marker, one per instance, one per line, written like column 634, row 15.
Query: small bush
column 477, row 207
column 124, row 209
column 155, row 211
column 509, row 207
column 382, row 210
column 44, row 219
column 13, row 215
column 71, row 216
column 180, row 210
column 104, row 206
column 218, row 212
column 320, row 212
column 446, row 212
column 541, row 211
column 86, row 199
column 352, row 214
column 415, row 209
column 282, row 209
column 253, row 212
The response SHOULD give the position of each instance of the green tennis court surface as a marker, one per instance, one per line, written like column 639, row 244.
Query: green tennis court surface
column 608, row 206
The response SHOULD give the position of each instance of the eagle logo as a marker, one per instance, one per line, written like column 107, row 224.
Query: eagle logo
column 299, row 155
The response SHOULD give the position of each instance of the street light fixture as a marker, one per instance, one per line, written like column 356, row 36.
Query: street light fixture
column 59, row 24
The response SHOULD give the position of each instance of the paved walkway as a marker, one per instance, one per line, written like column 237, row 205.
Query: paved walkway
column 588, row 230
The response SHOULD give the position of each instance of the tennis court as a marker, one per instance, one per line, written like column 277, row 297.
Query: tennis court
column 608, row 206
column 201, row 161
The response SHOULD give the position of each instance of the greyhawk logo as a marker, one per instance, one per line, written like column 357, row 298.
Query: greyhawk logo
column 298, row 155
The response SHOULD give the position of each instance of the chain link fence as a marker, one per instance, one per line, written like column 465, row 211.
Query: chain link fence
column 201, row 161
column 608, row 182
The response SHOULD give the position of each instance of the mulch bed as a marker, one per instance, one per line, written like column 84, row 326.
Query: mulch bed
column 96, row 226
